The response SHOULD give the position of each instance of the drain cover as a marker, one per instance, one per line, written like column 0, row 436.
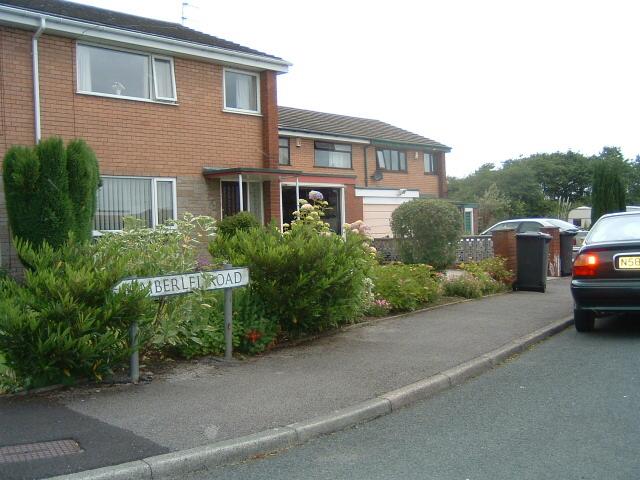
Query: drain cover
column 35, row 451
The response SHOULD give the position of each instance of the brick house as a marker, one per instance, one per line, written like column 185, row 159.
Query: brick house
column 366, row 168
column 182, row 121
column 159, row 103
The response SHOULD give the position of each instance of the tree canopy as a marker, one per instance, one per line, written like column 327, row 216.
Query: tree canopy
column 536, row 185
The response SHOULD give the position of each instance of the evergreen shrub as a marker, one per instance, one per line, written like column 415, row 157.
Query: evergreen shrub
column 428, row 231
column 65, row 322
column 405, row 287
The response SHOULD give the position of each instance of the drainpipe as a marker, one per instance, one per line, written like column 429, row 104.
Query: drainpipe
column 36, row 79
column 240, row 191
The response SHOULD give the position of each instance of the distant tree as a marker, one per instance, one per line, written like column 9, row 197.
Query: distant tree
column 493, row 207
column 633, row 189
column 608, row 193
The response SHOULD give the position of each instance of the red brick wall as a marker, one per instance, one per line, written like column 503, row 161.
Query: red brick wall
column 504, row 245
column 554, row 250
column 353, row 205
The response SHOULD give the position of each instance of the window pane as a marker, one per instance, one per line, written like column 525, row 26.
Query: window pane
column 284, row 156
column 123, row 197
column 342, row 147
column 163, row 79
column 403, row 161
column 284, row 142
column 380, row 155
column 101, row 70
column 326, row 158
column 387, row 159
column 241, row 91
column 164, row 194
column 394, row 160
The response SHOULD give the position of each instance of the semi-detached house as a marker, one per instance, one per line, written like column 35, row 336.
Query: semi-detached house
column 182, row 121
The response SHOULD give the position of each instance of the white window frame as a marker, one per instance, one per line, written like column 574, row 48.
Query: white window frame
column 152, row 88
column 224, row 92
column 433, row 163
column 154, row 195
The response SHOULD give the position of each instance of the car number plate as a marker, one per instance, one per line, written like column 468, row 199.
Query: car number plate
column 629, row 263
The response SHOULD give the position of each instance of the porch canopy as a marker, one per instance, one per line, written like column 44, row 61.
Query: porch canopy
column 240, row 174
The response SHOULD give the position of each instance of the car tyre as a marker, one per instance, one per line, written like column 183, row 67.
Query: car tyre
column 584, row 320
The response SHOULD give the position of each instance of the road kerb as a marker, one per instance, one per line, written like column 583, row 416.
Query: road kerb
column 200, row 458
column 417, row 391
column 138, row 470
column 341, row 419
column 229, row 451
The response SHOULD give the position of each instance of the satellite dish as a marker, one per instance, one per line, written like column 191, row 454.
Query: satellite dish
column 377, row 175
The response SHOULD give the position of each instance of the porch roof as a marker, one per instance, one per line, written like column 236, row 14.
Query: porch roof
column 213, row 172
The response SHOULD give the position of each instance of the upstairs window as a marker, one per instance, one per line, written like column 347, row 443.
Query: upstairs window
column 120, row 73
column 334, row 155
column 284, row 151
column 241, row 91
column 429, row 163
column 393, row 160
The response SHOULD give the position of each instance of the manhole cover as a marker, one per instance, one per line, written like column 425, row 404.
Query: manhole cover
column 35, row 451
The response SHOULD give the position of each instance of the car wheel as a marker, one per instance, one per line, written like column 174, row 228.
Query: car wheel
column 584, row 320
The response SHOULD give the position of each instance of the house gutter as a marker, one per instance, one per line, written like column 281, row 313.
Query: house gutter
column 88, row 31
column 36, row 79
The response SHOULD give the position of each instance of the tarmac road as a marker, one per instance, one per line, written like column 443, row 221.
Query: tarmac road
column 566, row 409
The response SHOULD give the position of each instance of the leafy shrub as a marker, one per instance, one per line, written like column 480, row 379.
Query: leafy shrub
column 427, row 231
column 241, row 221
column 65, row 321
column 306, row 280
column 466, row 286
column 405, row 287
column 186, row 325
column 379, row 307
column 256, row 330
column 495, row 267
column 51, row 191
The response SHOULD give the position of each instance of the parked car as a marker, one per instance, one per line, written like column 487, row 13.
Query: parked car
column 522, row 225
column 606, row 272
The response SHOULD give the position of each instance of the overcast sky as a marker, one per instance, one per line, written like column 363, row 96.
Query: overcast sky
column 493, row 79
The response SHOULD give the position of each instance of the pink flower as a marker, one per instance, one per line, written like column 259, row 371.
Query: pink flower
column 315, row 196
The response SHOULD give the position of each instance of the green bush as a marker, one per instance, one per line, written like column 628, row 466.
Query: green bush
column 466, row 286
column 65, row 322
column 185, row 325
column 242, row 221
column 405, row 287
column 51, row 191
column 428, row 231
column 495, row 267
column 84, row 181
column 306, row 280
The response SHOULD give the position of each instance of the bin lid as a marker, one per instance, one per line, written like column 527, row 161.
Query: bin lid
column 533, row 235
column 569, row 233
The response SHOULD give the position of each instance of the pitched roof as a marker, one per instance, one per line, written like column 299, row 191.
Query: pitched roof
column 331, row 124
column 124, row 21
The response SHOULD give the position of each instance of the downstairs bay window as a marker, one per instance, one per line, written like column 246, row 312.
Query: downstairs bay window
column 152, row 200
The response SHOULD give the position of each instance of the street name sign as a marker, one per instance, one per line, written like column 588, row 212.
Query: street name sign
column 166, row 285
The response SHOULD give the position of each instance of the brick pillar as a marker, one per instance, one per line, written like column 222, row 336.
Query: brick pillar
column 554, row 250
column 269, row 110
column 443, row 189
column 353, row 205
column 271, row 201
column 504, row 245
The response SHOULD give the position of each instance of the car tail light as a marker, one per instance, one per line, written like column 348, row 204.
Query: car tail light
column 585, row 265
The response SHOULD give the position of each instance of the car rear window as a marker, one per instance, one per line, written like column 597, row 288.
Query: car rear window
column 562, row 224
column 612, row 229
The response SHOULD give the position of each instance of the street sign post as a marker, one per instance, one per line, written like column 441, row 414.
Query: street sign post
column 183, row 283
